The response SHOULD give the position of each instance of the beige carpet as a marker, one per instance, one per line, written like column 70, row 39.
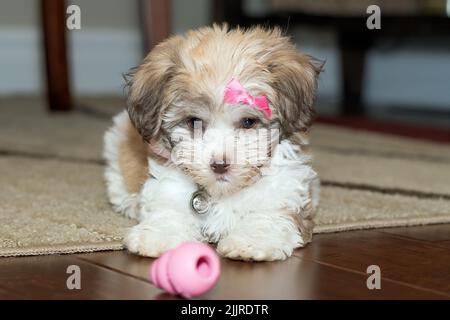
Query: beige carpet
column 52, row 197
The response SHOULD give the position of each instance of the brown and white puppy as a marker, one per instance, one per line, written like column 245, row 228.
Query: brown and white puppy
column 178, row 138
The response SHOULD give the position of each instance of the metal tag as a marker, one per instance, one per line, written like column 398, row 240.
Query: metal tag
column 200, row 202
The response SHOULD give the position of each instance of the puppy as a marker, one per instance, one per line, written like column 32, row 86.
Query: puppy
column 213, row 145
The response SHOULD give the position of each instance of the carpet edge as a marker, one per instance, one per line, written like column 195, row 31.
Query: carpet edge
column 61, row 249
column 377, row 224
column 117, row 245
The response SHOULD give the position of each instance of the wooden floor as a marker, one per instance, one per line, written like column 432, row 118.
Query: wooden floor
column 414, row 262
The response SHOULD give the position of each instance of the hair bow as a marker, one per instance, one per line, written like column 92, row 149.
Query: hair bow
column 236, row 93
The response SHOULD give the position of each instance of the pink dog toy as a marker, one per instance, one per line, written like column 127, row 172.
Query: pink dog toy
column 189, row 270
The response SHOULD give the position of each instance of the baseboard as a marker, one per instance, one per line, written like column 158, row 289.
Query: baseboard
column 98, row 58
column 20, row 62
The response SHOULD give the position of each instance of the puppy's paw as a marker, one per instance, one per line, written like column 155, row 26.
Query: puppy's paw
column 150, row 242
column 238, row 249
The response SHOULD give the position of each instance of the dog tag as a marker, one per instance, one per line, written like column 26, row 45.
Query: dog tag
column 200, row 202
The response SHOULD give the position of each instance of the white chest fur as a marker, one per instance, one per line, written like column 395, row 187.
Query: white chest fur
column 286, row 185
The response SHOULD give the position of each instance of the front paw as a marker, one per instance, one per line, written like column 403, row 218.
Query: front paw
column 149, row 242
column 239, row 249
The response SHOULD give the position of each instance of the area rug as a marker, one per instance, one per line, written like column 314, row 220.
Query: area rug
column 53, row 201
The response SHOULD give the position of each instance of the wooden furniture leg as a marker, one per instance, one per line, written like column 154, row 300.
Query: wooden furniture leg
column 54, row 28
column 156, row 21
column 353, row 56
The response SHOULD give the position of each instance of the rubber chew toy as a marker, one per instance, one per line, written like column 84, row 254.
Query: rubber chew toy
column 188, row 270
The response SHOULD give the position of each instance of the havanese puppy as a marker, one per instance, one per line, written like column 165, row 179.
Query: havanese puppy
column 213, row 145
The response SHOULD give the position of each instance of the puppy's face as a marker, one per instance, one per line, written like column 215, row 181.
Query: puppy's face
column 176, row 102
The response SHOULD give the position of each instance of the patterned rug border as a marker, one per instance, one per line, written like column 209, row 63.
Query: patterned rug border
column 117, row 245
column 61, row 249
column 377, row 224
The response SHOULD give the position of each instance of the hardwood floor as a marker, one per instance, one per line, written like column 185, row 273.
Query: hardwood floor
column 414, row 262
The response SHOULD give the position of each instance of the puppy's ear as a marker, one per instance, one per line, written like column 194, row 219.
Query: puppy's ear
column 146, row 86
column 295, row 83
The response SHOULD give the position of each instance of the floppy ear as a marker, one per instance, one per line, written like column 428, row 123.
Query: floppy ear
column 295, row 83
column 146, row 86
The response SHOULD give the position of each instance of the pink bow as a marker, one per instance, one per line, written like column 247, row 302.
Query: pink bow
column 236, row 93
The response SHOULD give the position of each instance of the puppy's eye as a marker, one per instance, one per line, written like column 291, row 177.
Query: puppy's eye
column 193, row 121
column 248, row 123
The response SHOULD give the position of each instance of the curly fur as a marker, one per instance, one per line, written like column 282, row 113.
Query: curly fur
column 263, row 206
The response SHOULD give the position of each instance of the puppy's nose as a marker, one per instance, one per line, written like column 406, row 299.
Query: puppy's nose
column 219, row 167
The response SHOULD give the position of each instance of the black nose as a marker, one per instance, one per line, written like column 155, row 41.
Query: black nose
column 219, row 167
